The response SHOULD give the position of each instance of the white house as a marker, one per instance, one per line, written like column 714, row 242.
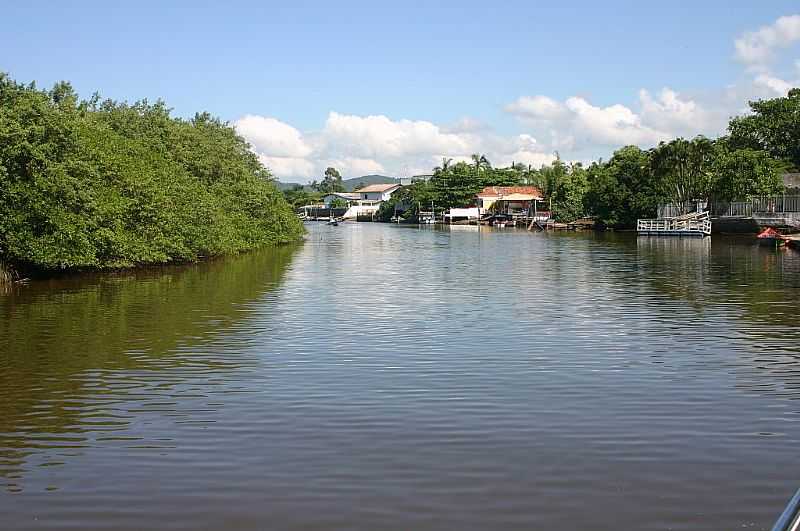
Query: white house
column 377, row 192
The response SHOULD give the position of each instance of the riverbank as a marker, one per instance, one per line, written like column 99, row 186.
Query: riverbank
column 102, row 185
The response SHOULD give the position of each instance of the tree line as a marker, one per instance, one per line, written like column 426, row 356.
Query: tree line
column 93, row 184
column 747, row 161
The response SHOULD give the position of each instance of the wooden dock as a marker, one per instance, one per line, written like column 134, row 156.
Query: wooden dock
column 694, row 224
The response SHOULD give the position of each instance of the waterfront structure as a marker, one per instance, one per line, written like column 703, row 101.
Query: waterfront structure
column 377, row 192
column 692, row 224
column 455, row 215
column 510, row 200
column 369, row 200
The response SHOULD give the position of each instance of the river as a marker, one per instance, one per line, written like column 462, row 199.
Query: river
column 383, row 377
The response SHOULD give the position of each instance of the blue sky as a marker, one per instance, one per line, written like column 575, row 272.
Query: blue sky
column 394, row 87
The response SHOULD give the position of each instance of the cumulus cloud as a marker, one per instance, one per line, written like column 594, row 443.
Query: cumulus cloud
column 778, row 86
column 671, row 113
column 536, row 107
column 273, row 137
column 612, row 125
column 288, row 166
column 351, row 166
column 576, row 122
column 379, row 136
column 577, row 127
column 755, row 48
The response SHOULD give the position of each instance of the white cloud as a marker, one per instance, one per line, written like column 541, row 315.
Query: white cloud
column 755, row 48
column 272, row 137
column 670, row 113
column 536, row 107
column 379, row 136
column 578, row 123
column 577, row 127
column 777, row 85
column 356, row 167
column 288, row 166
column 612, row 125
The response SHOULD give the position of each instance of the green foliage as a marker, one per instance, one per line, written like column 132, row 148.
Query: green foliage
column 741, row 173
column 773, row 127
column 568, row 187
column 338, row 203
column 684, row 168
column 388, row 209
column 623, row 189
column 90, row 184
column 298, row 196
column 331, row 183
column 456, row 185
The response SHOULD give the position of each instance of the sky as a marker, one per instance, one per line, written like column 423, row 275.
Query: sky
column 394, row 87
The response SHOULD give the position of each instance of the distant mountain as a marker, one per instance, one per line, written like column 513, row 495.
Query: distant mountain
column 349, row 184
column 287, row 186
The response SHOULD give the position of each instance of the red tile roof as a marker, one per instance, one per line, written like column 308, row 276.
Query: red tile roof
column 497, row 191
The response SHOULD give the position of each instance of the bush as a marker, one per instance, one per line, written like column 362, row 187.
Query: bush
column 90, row 184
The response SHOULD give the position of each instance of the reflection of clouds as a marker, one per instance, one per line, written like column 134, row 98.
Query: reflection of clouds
column 83, row 358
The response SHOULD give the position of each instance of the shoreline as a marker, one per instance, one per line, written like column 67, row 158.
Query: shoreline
column 11, row 275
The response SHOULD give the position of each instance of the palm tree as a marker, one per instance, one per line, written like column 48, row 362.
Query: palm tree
column 445, row 164
column 481, row 162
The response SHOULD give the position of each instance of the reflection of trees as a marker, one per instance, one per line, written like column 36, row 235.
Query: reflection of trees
column 757, row 288
column 725, row 287
column 65, row 343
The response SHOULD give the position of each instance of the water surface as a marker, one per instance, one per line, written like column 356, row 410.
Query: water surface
column 385, row 377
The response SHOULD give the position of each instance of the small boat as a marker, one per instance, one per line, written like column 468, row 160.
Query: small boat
column 334, row 222
column 790, row 519
column 772, row 237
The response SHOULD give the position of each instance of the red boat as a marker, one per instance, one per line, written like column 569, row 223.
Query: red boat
column 770, row 236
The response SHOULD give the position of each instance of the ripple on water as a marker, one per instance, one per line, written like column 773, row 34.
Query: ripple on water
column 384, row 377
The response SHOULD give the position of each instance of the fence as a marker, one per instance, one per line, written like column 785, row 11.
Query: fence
column 778, row 204
column 759, row 205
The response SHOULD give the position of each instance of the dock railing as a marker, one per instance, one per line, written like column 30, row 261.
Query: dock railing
column 689, row 224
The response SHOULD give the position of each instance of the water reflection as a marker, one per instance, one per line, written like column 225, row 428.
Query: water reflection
column 407, row 378
column 84, row 357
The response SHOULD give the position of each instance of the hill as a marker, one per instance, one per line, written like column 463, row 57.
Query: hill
column 349, row 184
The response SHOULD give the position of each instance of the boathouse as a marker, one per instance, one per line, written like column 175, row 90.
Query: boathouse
column 511, row 200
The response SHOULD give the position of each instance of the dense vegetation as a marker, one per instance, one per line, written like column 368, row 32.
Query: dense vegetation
column 103, row 184
column 630, row 185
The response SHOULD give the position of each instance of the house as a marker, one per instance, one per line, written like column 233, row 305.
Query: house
column 347, row 197
column 377, row 192
column 368, row 200
column 509, row 199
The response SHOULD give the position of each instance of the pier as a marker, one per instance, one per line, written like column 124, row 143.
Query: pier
column 693, row 224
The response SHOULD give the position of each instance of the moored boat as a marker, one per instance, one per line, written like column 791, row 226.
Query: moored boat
column 770, row 236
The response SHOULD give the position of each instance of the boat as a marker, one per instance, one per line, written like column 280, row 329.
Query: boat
column 770, row 236
column 790, row 518
column 333, row 221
